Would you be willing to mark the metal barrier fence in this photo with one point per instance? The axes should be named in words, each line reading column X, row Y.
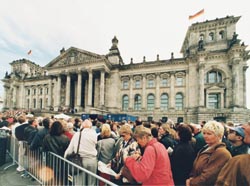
column 48, row 168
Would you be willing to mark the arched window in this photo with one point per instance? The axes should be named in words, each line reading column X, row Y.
column 164, row 101
column 125, row 102
column 179, row 101
column 213, row 76
column 211, row 36
column 137, row 102
column 222, row 34
column 150, row 102
column 201, row 36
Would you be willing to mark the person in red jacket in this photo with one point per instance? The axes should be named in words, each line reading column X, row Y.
column 154, row 167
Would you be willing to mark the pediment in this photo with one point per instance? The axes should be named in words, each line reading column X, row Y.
column 74, row 56
column 214, row 87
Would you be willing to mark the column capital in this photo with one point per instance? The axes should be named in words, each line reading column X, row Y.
column 90, row 70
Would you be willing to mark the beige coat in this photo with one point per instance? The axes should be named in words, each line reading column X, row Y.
column 208, row 164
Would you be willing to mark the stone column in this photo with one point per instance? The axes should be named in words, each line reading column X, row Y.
column 5, row 97
column 21, row 96
column 79, row 90
column 222, row 99
column 157, row 91
column 235, row 82
column 31, row 97
column 58, row 94
column 131, row 98
column 14, row 98
column 187, row 89
column 67, row 97
column 201, row 84
column 45, row 104
column 90, row 87
column 37, row 97
column 144, row 98
column 49, row 94
column 244, row 86
column 102, row 85
column 172, row 90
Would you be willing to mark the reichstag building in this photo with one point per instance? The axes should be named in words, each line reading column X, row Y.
column 207, row 82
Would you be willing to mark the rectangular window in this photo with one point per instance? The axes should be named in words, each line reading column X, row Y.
column 179, row 81
column 214, row 101
column 125, row 85
column 164, row 82
column 151, row 83
column 137, row 84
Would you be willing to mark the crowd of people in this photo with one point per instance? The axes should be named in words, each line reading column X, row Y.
column 142, row 152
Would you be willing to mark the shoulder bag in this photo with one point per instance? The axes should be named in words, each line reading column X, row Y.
column 75, row 158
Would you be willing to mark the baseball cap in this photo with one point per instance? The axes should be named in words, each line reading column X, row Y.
column 238, row 129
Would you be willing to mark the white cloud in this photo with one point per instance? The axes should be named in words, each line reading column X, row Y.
column 143, row 27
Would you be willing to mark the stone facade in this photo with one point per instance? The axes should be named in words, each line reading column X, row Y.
column 208, row 82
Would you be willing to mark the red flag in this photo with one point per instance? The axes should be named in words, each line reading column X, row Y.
column 196, row 14
column 29, row 52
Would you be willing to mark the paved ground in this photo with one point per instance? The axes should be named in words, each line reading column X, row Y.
column 11, row 177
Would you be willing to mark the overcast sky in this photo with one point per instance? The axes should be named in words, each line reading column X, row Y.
column 143, row 27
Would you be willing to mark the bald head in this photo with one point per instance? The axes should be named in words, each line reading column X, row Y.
column 86, row 123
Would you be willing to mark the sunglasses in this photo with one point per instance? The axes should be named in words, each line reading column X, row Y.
column 122, row 135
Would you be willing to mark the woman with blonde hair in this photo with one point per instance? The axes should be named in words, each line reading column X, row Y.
column 211, row 158
column 165, row 136
column 125, row 146
column 105, row 148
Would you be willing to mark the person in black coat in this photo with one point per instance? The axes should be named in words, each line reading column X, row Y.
column 56, row 141
column 31, row 130
column 183, row 155
column 38, row 139
column 165, row 137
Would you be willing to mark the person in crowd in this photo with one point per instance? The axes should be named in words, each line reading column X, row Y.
column 199, row 138
column 77, row 124
column 105, row 149
column 37, row 142
column 70, row 126
column 155, row 132
column 154, row 166
column 211, row 158
column 125, row 146
column 56, row 141
column 236, row 171
column 183, row 155
column 165, row 137
column 202, row 123
column 115, row 129
column 66, row 129
column 19, row 134
column 87, row 150
column 98, row 126
column 236, row 137
column 4, row 122
column 31, row 130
